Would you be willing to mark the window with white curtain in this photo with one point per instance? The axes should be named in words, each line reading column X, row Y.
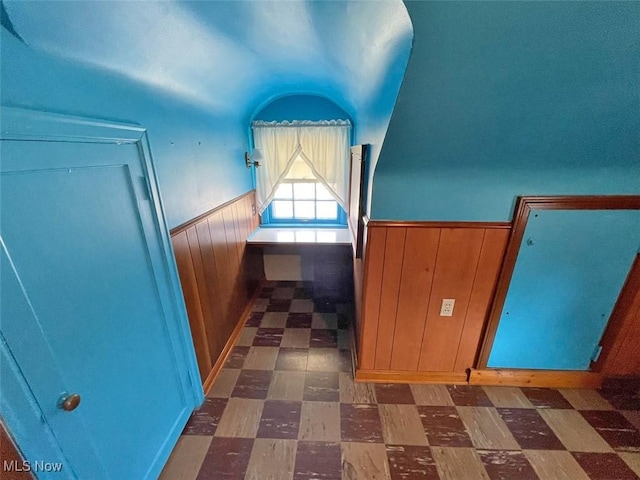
column 304, row 176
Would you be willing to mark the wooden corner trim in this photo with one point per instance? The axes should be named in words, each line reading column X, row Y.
column 430, row 224
column 184, row 226
column 393, row 376
column 536, row 378
column 217, row 367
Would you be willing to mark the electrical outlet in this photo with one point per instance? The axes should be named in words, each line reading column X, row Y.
column 446, row 310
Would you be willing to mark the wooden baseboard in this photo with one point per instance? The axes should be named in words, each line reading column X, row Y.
column 213, row 374
column 391, row 376
column 536, row 378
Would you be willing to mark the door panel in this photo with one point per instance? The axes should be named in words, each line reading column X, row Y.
column 84, row 305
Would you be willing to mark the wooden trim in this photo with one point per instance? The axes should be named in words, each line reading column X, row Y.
column 429, row 224
column 199, row 218
column 394, row 376
column 217, row 367
column 536, row 378
column 523, row 208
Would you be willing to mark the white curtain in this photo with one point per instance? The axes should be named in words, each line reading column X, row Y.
column 323, row 146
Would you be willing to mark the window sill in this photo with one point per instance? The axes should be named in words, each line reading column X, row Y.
column 299, row 236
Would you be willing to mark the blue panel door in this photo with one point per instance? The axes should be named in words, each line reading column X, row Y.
column 570, row 269
column 85, row 307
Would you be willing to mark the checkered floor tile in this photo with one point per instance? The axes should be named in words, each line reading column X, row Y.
column 285, row 407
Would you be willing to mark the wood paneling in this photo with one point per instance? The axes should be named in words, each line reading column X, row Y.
column 621, row 338
column 536, row 378
column 218, row 274
column 409, row 270
column 10, row 456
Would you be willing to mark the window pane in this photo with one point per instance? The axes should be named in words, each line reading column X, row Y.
column 303, row 191
column 304, row 209
column 284, row 190
column 322, row 193
column 327, row 210
column 282, row 209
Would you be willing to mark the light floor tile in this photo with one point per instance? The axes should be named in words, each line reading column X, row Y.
column 320, row 421
column 245, row 339
column 260, row 304
column 301, row 306
column 486, row 428
column 458, row 464
column 274, row 320
column 401, row 425
column 355, row 392
column 261, row 358
column 272, row 460
column 224, row 383
column 325, row 321
column 631, row 459
column 283, row 293
column 323, row 360
column 585, row 399
column 633, row 416
column 241, row 418
column 507, row 397
column 555, row 465
column 574, row 431
column 434, row 395
column 286, row 385
column 296, row 338
column 364, row 460
column 186, row 458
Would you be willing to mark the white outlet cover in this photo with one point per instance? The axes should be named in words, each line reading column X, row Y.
column 446, row 310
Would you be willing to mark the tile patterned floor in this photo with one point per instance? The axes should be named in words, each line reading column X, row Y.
column 285, row 407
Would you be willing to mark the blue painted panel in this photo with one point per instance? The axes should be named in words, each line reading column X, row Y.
column 81, row 232
column 506, row 99
column 569, row 272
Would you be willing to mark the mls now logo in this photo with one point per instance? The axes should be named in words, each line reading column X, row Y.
column 37, row 466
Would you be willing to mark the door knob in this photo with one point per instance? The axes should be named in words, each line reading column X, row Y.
column 69, row 402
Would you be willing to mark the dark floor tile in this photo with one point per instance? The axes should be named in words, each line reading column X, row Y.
column 292, row 359
column 411, row 463
column 321, row 387
column 268, row 337
column 443, row 426
column 622, row 399
column 615, row 429
column 346, row 364
column 280, row 419
column 302, row 293
column 236, row 357
column 252, row 384
column 318, row 460
column 227, row 458
column 469, row 396
column 287, row 283
column 360, row 423
column 323, row 360
column 507, row 465
column 529, row 429
column 344, row 322
column 324, row 339
column 546, row 398
column 204, row 420
column 394, row 393
column 299, row 320
column 324, row 305
column 604, row 466
column 279, row 305
column 254, row 319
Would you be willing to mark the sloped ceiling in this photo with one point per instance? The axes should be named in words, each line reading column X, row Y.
column 229, row 56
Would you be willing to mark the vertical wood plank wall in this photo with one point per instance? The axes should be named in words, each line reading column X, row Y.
column 409, row 269
column 218, row 274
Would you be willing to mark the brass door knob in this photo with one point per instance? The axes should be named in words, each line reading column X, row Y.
column 69, row 402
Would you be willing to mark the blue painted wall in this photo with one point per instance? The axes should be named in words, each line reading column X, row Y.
column 506, row 99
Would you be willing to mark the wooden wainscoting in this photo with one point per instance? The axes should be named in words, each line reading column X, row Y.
column 410, row 267
column 219, row 275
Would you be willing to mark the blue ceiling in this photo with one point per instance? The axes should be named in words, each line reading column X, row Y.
column 230, row 56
